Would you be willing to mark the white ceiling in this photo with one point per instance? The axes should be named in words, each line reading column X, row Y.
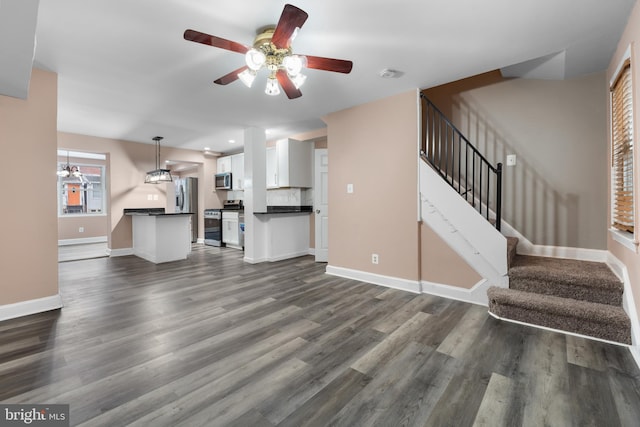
column 125, row 71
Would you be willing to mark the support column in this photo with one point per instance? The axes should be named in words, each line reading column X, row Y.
column 255, row 194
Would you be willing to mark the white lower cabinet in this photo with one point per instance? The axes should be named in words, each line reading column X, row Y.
column 231, row 229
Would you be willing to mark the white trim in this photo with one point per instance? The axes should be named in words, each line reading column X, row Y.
column 635, row 352
column 581, row 254
column 119, row 252
column 254, row 260
column 377, row 279
column 525, row 247
column 461, row 227
column 288, row 256
column 276, row 258
column 25, row 308
column 614, row 76
column 624, row 239
column 476, row 295
column 312, row 251
column 557, row 330
column 81, row 154
column 628, row 303
column 200, row 241
column 82, row 241
column 419, row 149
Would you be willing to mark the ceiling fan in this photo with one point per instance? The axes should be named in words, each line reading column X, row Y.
column 272, row 50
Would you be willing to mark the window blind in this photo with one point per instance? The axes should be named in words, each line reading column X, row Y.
column 622, row 150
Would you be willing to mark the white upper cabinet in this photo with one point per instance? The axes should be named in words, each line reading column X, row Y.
column 289, row 164
column 237, row 172
column 224, row 164
column 272, row 167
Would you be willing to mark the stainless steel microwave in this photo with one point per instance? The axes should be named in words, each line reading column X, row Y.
column 223, row 181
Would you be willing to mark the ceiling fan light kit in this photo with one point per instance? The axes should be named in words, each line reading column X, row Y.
column 272, row 50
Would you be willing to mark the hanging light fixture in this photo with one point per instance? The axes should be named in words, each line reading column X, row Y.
column 69, row 170
column 158, row 175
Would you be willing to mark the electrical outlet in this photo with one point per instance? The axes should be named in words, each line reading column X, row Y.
column 511, row 160
column 374, row 258
column 81, row 230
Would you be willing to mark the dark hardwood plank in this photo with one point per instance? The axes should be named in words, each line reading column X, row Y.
column 212, row 341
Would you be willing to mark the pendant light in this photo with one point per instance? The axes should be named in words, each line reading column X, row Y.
column 158, row 175
column 69, row 170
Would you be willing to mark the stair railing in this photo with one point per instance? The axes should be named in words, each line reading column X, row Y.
column 459, row 163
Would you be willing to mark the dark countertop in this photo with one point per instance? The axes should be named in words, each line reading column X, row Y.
column 146, row 211
column 152, row 212
column 286, row 210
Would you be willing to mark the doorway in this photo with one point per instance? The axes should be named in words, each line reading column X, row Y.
column 321, row 203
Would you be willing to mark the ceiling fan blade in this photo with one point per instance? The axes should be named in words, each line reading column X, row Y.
column 329, row 64
column 198, row 37
column 287, row 85
column 231, row 77
column 291, row 18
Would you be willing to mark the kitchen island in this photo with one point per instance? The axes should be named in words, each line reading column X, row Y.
column 286, row 232
column 160, row 237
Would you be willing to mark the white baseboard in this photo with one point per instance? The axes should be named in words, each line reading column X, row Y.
column 312, row 251
column 25, row 308
column 81, row 241
column 476, row 295
column 628, row 303
column 119, row 252
column 635, row 352
column 200, row 241
column 525, row 247
column 290, row 255
column 376, row 279
column 277, row 258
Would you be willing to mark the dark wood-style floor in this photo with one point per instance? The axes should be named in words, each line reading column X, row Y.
column 213, row 341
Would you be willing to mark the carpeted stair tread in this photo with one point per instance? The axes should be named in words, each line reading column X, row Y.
column 592, row 319
column 567, row 278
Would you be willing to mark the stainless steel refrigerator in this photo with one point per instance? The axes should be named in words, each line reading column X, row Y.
column 187, row 201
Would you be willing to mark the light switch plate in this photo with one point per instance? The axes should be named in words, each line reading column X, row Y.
column 349, row 188
column 511, row 160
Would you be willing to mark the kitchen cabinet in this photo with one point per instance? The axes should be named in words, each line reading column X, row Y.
column 232, row 229
column 289, row 164
column 237, row 172
column 223, row 164
column 272, row 167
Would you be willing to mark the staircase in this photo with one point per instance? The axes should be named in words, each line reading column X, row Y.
column 581, row 297
column 568, row 295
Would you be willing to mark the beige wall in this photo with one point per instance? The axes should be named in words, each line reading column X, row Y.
column 442, row 265
column 556, row 194
column 631, row 36
column 374, row 147
column 28, row 254
column 127, row 163
column 93, row 225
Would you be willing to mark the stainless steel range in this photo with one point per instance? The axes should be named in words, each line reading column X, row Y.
column 213, row 227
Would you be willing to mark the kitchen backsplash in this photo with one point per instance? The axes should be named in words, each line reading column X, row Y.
column 290, row 197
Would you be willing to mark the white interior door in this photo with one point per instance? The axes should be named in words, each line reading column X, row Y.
column 321, row 203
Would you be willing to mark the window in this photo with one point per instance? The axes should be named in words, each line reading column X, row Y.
column 622, row 150
column 83, row 194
